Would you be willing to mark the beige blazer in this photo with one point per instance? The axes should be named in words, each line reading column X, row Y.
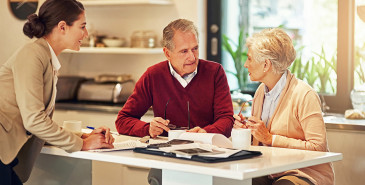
column 298, row 123
column 26, row 83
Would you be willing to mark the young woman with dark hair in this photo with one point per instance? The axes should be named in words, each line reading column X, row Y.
column 28, row 88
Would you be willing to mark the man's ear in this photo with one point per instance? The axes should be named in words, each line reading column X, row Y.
column 167, row 53
column 62, row 26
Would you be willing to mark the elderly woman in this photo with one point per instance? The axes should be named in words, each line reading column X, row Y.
column 286, row 112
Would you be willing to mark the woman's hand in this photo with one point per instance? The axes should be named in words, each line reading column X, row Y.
column 98, row 138
column 259, row 130
column 157, row 126
column 106, row 131
column 239, row 121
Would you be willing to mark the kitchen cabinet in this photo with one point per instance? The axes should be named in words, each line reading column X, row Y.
column 125, row 2
column 117, row 50
column 345, row 136
column 121, row 50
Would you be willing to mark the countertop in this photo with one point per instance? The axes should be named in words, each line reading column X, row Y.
column 99, row 107
column 333, row 121
column 338, row 121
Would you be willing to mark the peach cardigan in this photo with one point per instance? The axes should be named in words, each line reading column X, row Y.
column 298, row 123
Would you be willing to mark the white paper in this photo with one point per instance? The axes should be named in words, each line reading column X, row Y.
column 208, row 138
column 125, row 145
column 209, row 147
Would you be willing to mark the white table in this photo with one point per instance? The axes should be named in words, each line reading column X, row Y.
column 178, row 172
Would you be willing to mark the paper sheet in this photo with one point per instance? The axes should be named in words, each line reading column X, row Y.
column 125, row 145
column 208, row 138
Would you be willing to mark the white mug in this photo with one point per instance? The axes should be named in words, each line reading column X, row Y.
column 241, row 138
column 72, row 125
column 174, row 134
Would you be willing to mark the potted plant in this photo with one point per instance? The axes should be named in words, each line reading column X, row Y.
column 238, row 52
column 239, row 56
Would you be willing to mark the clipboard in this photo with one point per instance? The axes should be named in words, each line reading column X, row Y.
column 242, row 154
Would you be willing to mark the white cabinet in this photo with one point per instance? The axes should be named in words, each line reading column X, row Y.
column 124, row 2
column 117, row 50
column 121, row 3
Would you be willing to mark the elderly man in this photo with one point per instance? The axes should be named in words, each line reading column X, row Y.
column 184, row 91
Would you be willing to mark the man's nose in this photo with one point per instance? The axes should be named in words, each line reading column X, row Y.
column 191, row 55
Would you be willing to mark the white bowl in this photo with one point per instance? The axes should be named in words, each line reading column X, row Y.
column 113, row 42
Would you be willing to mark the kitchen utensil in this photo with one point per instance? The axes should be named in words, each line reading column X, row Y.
column 114, row 42
column 143, row 39
column 112, row 78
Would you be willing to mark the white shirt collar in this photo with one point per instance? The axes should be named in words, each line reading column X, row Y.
column 55, row 62
column 184, row 81
column 279, row 86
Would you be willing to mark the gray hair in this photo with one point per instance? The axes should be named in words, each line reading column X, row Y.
column 273, row 44
column 182, row 25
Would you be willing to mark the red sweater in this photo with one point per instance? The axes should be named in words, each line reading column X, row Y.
column 210, row 104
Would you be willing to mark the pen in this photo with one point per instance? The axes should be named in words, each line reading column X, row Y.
column 93, row 128
column 242, row 106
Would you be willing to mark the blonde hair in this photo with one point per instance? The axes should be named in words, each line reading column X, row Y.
column 182, row 25
column 273, row 44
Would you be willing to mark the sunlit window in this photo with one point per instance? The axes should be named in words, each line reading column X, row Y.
column 312, row 24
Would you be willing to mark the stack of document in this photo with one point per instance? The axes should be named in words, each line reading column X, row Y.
column 124, row 145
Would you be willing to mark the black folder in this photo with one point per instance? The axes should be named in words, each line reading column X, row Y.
column 242, row 154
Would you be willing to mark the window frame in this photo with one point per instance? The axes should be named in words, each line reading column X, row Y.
column 345, row 52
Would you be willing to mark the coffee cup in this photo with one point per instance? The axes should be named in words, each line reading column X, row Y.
column 174, row 134
column 72, row 125
column 241, row 138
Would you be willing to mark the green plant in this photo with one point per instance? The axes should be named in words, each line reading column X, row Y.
column 239, row 56
column 297, row 67
column 311, row 75
column 324, row 69
column 316, row 71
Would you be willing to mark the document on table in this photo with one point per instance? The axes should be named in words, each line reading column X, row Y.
column 214, row 150
column 207, row 138
column 125, row 145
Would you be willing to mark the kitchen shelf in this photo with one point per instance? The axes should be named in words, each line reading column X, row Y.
column 116, row 50
column 125, row 2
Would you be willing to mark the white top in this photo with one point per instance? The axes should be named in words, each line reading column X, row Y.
column 55, row 62
column 184, row 81
column 272, row 99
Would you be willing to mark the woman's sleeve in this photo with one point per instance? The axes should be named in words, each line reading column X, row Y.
column 312, row 124
column 29, row 71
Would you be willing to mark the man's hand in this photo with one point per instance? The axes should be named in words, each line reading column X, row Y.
column 157, row 126
column 197, row 130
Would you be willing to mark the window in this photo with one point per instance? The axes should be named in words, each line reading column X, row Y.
column 319, row 27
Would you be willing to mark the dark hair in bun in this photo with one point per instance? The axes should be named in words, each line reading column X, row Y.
column 50, row 14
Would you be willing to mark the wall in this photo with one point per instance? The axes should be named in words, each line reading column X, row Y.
column 11, row 32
